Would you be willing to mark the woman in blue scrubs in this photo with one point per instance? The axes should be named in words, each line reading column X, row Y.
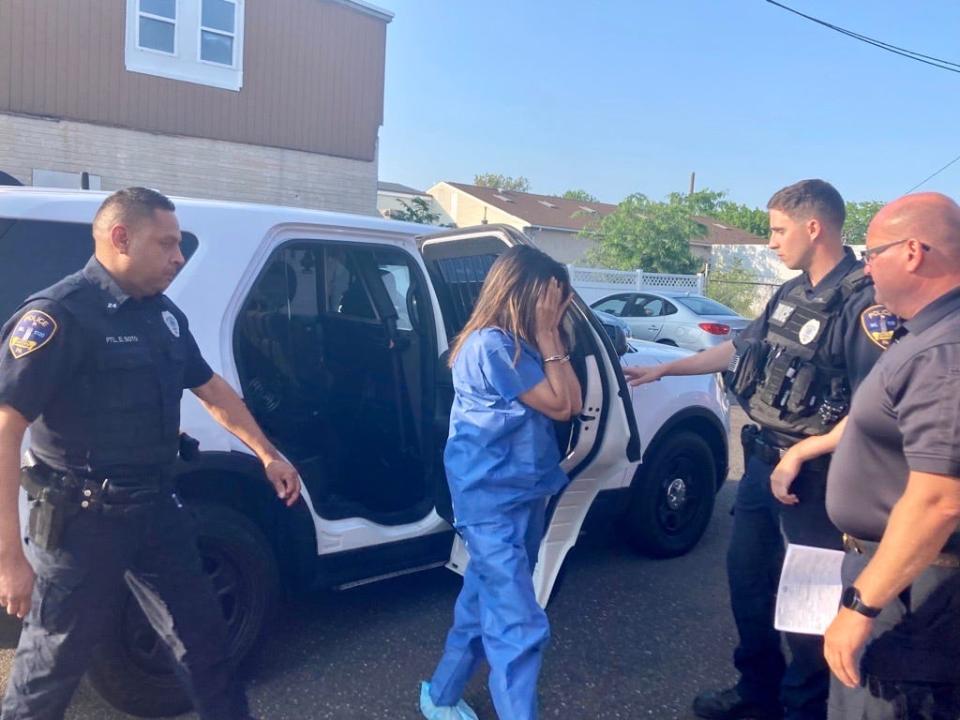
column 512, row 377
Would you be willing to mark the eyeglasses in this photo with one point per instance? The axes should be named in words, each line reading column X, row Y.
column 869, row 253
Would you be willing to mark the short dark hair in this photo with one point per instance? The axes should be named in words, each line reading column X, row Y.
column 134, row 203
column 811, row 198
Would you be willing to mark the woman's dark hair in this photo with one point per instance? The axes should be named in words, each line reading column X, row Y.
column 516, row 283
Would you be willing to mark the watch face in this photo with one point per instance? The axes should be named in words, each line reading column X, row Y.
column 849, row 597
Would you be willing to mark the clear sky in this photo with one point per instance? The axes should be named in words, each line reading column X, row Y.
column 620, row 96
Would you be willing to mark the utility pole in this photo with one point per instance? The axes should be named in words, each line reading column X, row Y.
column 693, row 181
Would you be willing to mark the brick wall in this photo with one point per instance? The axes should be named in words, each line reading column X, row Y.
column 193, row 167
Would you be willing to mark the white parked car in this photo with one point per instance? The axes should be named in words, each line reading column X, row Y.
column 684, row 320
column 335, row 330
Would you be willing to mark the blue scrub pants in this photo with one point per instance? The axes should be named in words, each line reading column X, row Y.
column 754, row 561
column 497, row 615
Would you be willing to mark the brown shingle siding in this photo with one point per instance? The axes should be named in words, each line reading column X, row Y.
column 312, row 75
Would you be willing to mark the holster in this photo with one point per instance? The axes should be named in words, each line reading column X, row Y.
column 51, row 506
column 748, row 441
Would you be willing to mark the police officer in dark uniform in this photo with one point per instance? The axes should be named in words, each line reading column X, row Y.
column 894, row 484
column 794, row 370
column 96, row 365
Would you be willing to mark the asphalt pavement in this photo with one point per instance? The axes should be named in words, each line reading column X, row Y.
column 632, row 638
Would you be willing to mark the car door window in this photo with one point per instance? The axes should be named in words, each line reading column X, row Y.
column 396, row 280
column 650, row 306
column 38, row 253
column 668, row 308
column 346, row 293
column 613, row 305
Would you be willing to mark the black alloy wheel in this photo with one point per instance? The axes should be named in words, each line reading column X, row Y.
column 672, row 496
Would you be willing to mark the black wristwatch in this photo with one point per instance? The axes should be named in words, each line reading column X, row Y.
column 851, row 600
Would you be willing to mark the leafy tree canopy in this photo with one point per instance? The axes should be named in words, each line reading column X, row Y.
column 502, row 182
column 645, row 234
column 417, row 210
column 581, row 195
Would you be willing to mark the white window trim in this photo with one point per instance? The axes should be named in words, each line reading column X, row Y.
column 160, row 18
column 185, row 65
column 216, row 31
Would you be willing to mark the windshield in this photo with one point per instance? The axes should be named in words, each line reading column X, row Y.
column 704, row 306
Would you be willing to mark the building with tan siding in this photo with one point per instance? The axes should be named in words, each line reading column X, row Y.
column 278, row 102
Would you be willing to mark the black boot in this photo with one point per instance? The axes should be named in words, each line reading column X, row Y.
column 730, row 705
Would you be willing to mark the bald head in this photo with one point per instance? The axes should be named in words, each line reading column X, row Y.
column 931, row 218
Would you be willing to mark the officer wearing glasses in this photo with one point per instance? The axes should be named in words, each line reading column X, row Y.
column 894, row 484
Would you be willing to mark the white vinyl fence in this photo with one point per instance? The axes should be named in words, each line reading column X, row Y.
column 595, row 283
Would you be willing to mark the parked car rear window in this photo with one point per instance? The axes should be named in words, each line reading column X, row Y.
column 705, row 306
column 36, row 254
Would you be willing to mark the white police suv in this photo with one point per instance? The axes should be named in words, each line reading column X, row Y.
column 334, row 328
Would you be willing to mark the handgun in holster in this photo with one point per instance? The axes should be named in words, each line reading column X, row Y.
column 50, row 507
column 748, row 441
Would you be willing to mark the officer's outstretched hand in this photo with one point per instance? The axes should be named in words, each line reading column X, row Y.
column 285, row 480
column 16, row 585
column 641, row 375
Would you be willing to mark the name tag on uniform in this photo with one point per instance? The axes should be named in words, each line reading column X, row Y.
column 782, row 313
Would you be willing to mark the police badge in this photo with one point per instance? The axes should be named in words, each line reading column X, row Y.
column 171, row 321
column 879, row 324
column 34, row 330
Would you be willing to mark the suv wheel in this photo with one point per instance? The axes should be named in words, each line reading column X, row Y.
column 131, row 669
column 672, row 497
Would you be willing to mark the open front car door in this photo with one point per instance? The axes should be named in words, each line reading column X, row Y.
column 600, row 444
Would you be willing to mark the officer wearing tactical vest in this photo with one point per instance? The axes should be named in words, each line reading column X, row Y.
column 794, row 370
column 96, row 365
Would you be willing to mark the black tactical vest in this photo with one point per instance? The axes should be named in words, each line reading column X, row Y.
column 788, row 382
column 121, row 414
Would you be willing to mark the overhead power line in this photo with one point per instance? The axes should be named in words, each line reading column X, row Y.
column 924, row 181
column 903, row 52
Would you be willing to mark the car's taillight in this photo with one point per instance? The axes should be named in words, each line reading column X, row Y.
column 715, row 328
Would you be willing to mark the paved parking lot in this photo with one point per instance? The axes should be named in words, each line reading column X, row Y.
column 632, row 638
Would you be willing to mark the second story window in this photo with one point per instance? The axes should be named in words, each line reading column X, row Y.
column 217, row 31
column 197, row 41
column 157, row 25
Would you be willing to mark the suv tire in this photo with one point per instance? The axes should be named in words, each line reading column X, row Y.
column 672, row 497
column 131, row 670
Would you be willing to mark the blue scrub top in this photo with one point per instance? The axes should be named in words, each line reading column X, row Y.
column 500, row 452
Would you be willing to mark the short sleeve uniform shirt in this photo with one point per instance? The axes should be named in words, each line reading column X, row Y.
column 499, row 452
column 905, row 418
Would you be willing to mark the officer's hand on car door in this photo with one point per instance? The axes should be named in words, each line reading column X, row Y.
column 285, row 480
column 641, row 375
column 16, row 585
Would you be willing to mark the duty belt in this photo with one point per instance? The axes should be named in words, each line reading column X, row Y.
column 42, row 482
column 761, row 448
column 868, row 548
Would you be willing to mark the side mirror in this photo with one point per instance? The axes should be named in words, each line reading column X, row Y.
column 619, row 341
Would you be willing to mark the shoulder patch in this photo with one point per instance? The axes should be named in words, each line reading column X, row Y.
column 878, row 324
column 32, row 331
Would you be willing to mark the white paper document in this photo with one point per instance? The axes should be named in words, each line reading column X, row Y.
column 810, row 589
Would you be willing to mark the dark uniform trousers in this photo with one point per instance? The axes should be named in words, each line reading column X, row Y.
column 754, row 562
column 151, row 548
column 910, row 669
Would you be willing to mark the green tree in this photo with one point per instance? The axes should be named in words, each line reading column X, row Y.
column 581, row 195
column 502, row 182
column 712, row 204
column 734, row 285
column 859, row 215
column 417, row 210
column 645, row 234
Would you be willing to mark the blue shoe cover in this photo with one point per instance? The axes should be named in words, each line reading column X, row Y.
column 460, row 711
